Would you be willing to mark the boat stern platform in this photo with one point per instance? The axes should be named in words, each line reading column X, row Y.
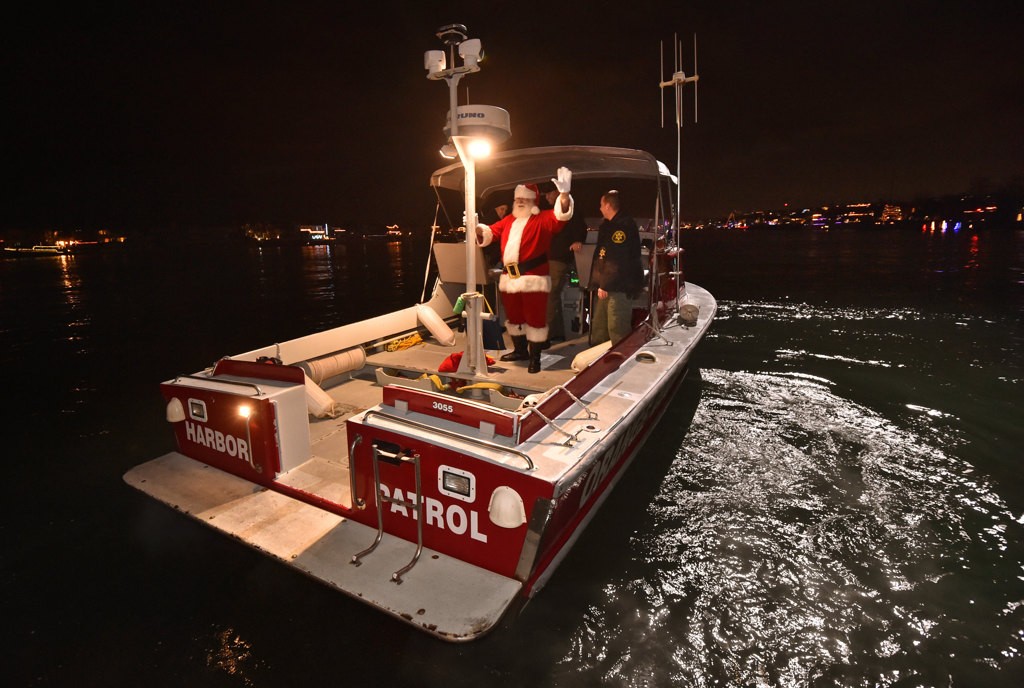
column 451, row 599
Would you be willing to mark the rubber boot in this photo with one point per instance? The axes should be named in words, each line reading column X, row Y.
column 535, row 349
column 519, row 352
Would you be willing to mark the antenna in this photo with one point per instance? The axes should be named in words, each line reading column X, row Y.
column 679, row 78
column 695, row 78
column 677, row 82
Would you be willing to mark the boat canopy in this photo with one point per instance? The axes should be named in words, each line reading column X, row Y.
column 506, row 169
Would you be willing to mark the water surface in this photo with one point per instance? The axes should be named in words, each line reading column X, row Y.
column 833, row 499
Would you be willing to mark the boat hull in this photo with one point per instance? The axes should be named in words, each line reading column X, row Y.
column 383, row 525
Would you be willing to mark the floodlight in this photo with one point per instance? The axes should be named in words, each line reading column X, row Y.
column 479, row 148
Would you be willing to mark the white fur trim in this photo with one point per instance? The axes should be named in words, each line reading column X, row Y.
column 523, row 191
column 515, row 238
column 525, row 283
column 488, row 235
column 536, row 334
column 559, row 215
column 515, row 329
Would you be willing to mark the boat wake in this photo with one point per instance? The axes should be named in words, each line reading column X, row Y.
column 800, row 538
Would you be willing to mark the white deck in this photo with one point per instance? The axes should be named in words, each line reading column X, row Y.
column 444, row 596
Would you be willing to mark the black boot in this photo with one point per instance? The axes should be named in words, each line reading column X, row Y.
column 535, row 349
column 519, row 352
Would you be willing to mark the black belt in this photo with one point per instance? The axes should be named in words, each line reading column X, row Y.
column 516, row 269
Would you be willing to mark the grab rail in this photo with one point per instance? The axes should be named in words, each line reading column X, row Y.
column 357, row 502
column 380, row 499
column 259, row 392
column 454, row 435
column 591, row 415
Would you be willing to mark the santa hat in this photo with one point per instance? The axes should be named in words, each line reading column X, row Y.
column 528, row 191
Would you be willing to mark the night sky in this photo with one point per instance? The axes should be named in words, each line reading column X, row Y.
column 217, row 113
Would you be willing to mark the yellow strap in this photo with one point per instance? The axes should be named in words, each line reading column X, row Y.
column 441, row 387
column 480, row 385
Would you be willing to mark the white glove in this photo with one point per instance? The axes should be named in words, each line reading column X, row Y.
column 564, row 181
column 465, row 223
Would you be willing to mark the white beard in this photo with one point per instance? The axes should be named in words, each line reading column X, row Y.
column 521, row 211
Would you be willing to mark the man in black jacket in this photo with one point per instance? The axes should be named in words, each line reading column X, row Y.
column 617, row 274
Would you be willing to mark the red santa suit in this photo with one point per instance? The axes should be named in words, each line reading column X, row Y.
column 525, row 280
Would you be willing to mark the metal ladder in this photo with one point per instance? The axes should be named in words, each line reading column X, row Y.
column 396, row 458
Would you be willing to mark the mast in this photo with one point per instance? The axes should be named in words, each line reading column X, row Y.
column 470, row 142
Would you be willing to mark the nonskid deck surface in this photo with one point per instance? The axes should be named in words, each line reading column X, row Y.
column 445, row 596
column 427, row 356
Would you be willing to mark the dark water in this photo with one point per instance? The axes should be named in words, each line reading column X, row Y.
column 835, row 500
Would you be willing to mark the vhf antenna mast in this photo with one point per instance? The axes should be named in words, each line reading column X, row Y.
column 677, row 82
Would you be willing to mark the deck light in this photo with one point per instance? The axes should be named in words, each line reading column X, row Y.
column 245, row 411
column 197, row 410
column 456, row 483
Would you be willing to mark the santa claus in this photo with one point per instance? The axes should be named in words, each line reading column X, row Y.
column 525, row 236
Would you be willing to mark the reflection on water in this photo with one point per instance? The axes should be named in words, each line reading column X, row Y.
column 322, row 267
column 231, row 655
column 800, row 538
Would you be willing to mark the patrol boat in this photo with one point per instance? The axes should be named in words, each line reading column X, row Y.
column 396, row 460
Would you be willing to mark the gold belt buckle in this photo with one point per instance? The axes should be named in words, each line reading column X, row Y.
column 513, row 270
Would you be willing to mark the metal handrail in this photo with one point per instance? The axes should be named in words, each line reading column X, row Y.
column 454, row 435
column 379, row 500
column 357, row 502
column 591, row 415
column 551, row 424
column 396, row 577
column 259, row 392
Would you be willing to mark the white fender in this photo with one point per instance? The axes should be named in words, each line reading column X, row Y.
column 432, row 321
column 318, row 402
column 325, row 367
column 588, row 356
